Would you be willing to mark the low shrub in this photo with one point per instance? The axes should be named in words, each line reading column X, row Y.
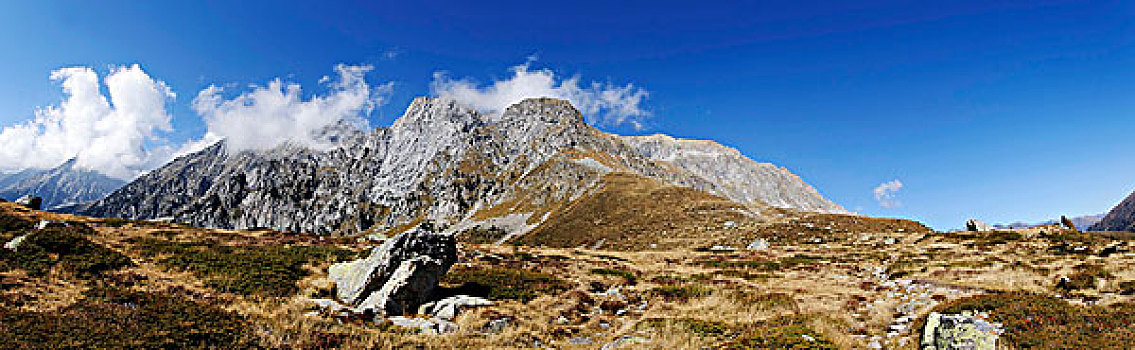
column 67, row 247
column 506, row 283
column 119, row 318
column 692, row 325
column 681, row 293
column 627, row 276
column 780, row 333
column 1084, row 277
column 1045, row 322
column 270, row 271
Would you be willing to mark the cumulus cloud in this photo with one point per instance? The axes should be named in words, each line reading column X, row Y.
column 107, row 133
column 270, row 115
column 885, row 194
column 603, row 103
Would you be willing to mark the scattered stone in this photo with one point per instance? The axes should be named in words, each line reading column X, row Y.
column 30, row 202
column 975, row 225
column 399, row 275
column 890, row 241
column 758, row 244
column 43, row 224
column 961, row 331
column 497, row 325
column 14, row 244
column 721, row 248
column 625, row 340
column 449, row 308
column 580, row 341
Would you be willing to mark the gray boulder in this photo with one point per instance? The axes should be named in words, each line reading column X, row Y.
column 31, row 202
column 399, row 275
column 976, row 225
column 964, row 331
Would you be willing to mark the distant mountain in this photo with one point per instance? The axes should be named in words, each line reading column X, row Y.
column 450, row 164
column 1120, row 218
column 1082, row 222
column 64, row 185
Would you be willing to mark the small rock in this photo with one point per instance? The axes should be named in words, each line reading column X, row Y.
column 449, row 308
column 580, row 341
column 497, row 325
column 890, row 241
column 962, row 331
column 625, row 340
column 14, row 244
column 30, row 202
column 43, row 224
column 758, row 244
column 721, row 248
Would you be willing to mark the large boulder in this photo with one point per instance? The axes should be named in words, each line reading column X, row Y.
column 399, row 275
column 965, row 331
column 30, row 201
column 976, row 225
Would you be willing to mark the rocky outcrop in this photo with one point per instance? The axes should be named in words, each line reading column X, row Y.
column 966, row 331
column 976, row 225
column 398, row 276
column 442, row 162
column 30, row 202
column 62, row 186
column 1120, row 218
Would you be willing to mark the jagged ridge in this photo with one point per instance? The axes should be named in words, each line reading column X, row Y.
column 442, row 162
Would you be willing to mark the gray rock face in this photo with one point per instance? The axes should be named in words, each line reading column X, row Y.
column 1120, row 218
column 734, row 176
column 61, row 186
column 959, row 332
column 976, row 225
column 398, row 276
column 30, row 202
column 441, row 162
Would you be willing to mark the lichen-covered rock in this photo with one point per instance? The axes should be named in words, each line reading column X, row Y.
column 964, row 331
column 408, row 287
column 398, row 275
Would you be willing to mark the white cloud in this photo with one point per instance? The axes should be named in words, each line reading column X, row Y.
column 270, row 115
column 106, row 134
column 885, row 194
column 603, row 103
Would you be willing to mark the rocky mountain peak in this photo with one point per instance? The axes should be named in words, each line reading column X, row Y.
column 442, row 162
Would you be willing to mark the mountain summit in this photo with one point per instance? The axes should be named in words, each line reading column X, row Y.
column 1120, row 218
column 64, row 185
column 447, row 163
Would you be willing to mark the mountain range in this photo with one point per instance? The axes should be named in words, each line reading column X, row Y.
column 452, row 165
column 66, row 185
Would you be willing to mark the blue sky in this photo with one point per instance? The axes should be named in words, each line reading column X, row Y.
column 1005, row 111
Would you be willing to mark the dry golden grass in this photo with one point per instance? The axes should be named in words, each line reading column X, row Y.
column 828, row 285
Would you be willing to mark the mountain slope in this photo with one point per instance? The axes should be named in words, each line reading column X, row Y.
column 442, row 162
column 60, row 186
column 1120, row 218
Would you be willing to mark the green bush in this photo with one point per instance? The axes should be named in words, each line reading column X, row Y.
column 506, row 283
column 262, row 270
column 627, row 276
column 118, row 318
